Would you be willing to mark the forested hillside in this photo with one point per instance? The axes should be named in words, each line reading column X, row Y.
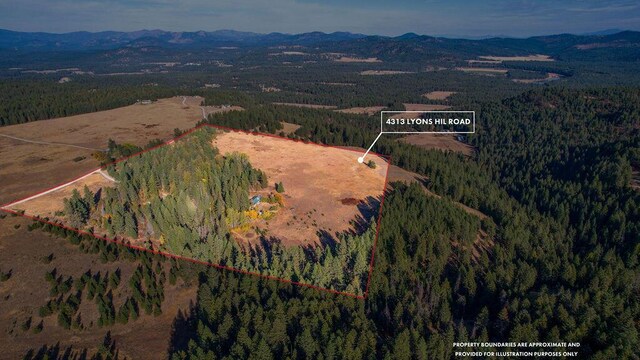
column 553, row 174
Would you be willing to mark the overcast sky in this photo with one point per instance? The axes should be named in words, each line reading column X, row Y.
column 383, row 17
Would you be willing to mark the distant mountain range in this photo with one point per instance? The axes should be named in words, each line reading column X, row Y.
column 82, row 40
column 607, row 44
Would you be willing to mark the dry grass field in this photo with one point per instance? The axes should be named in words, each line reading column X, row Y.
column 425, row 107
column 289, row 128
column 438, row 95
column 220, row 109
column 311, row 106
column 26, row 291
column 337, row 84
column 369, row 110
column 538, row 57
column 28, row 167
column 407, row 177
column 384, row 72
column 53, row 158
column 445, row 142
column 489, row 62
column 420, row 107
column 349, row 59
column 491, row 71
column 316, row 180
column 549, row 77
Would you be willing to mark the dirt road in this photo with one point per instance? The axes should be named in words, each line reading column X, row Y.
column 50, row 143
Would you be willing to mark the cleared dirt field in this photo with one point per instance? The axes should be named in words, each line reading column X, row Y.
column 311, row 106
column 446, row 142
column 26, row 291
column 483, row 70
column 316, row 180
column 348, row 59
column 438, row 95
column 27, row 168
column 369, row 110
column 538, row 57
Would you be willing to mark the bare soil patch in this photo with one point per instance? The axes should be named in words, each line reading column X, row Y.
column 28, row 168
column 316, row 180
column 438, row 95
column 350, row 201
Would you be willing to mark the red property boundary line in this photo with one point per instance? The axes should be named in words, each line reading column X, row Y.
column 195, row 261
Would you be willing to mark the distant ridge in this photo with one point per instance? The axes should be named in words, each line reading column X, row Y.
column 82, row 40
column 606, row 45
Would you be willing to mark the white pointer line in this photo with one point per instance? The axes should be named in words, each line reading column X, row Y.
column 361, row 159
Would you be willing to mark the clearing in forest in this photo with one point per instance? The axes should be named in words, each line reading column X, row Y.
column 425, row 107
column 350, row 59
column 445, row 142
column 385, row 72
column 438, row 95
column 480, row 70
column 310, row 106
column 518, row 58
column 260, row 204
column 367, row 110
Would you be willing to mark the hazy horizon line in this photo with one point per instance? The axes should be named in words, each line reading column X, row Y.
column 448, row 36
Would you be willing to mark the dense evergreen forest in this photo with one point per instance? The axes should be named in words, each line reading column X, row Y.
column 29, row 97
column 556, row 258
column 553, row 174
column 39, row 100
column 186, row 198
